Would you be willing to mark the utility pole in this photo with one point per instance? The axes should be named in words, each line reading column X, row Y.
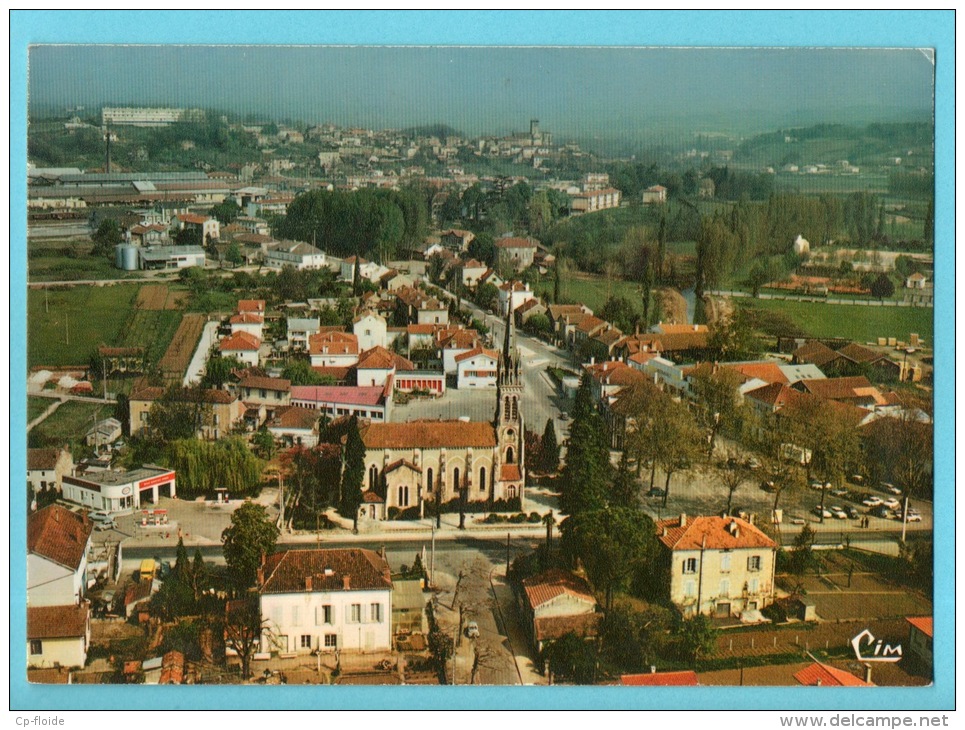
column 432, row 559
column 904, row 519
column 507, row 554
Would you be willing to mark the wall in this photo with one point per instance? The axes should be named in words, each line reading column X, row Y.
column 279, row 610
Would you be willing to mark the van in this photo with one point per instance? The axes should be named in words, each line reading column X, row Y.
column 147, row 569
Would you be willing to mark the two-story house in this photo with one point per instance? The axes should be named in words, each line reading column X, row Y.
column 326, row 600
column 719, row 566
column 46, row 468
column 58, row 544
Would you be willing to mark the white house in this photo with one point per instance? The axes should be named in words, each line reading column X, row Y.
column 58, row 635
column 720, row 566
column 299, row 255
column 249, row 322
column 370, row 329
column 378, row 366
column 655, row 195
column 46, row 468
column 241, row 345
column 477, row 368
column 916, row 281
column 207, row 226
column 333, row 349
column 556, row 603
column 367, row 269
column 103, row 432
column 512, row 295
column 471, row 272
column 295, row 426
column 326, row 600
column 802, row 246
column 58, row 544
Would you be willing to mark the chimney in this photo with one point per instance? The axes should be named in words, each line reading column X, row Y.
column 664, row 530
column 308, row 582
column 382, row 552
column 346, row 582
column 683, row 519
column 653, row 669
column 696, row 327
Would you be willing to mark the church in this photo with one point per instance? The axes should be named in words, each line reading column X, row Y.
column 411, row 464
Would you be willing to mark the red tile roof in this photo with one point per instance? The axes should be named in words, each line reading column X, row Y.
column 57, row 622
column 776, row 395
column 509, row 473
column 429, row 435
column 257, row 381
column 922, row 623
column 295, row 417
column 769, row 372
column 684, row 678
column 370, row 497
column 59, row 535
column 421, row 329
column 398, row 464
column 815, row 352
column 514, row 243
column 333, row 343
column 713, row 533
column 554, row 583
column 668, row 328
column 589, row 323
column 340, row 374
column 478, row 350
column 251, row 305
column 343, row 394
column 307, row 571
column 191, row 218
column 247, row 318
column 378, row 358
column 836, row 388
column 240, row 342
column 823, row 675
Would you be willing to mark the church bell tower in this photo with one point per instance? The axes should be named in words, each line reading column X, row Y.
column 508, row 421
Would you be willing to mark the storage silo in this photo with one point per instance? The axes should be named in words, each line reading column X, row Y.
column 126, row 257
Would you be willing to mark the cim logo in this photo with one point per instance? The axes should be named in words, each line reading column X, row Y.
column 881, row 651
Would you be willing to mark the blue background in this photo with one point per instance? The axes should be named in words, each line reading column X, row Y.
column 926, row 29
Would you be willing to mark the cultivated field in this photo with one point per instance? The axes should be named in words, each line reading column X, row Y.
column 860, row 323
column 160, row 296
column 178, row 355
column 72, row 419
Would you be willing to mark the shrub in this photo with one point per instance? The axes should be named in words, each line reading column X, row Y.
column 393, row 513
column 518, row 518
column 534, row 517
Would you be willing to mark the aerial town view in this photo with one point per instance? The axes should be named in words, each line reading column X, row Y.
column 467, row 366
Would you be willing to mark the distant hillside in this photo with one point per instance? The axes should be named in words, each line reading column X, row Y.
column 829, row 143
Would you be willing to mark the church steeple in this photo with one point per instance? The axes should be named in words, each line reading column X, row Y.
column 510, row 458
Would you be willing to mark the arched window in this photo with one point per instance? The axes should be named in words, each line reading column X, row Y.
column 429, row 482
column 511, row 492
column 506, row 411
column 403, row 496
column 482, row 479
column 509, row 455
column 455, row 479
column 373, row 476
column 515, row 408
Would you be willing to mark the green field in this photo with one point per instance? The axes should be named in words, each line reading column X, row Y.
column 591, row 290
column 56, row 267
column 36, row 406
column 859, row 323
column 71, row 421
column 152, row 330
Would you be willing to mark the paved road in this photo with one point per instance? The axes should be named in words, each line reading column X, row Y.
column 821, row 300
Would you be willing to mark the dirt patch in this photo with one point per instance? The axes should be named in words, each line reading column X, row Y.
column 152, row 296
column 178, row 355
column 673, row 306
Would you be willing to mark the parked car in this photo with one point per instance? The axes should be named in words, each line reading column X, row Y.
column 102, row 520
column 819, row 485
column 839, row 513
column 892, row 503
column 913, row 516
column 768, row 486
column 472, row 630
column 656, row 492
column 890, row 489
column 797, row 520
column 856, row 479
column 852, row 512
column 825, row 513
column 872, row 501
column 839, row 492
column 881, row 511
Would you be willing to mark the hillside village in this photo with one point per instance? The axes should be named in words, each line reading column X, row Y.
column 361, row 425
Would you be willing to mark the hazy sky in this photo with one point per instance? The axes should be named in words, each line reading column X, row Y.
column 571, row 90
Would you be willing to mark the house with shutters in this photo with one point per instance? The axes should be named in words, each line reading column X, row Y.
column 477, row 368
column 242, row 346
column 717, row 566
column 325, row 601
column 58, row 636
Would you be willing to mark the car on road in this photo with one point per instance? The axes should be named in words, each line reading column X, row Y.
column 656, row 492
column 797, row 520
column 839, row 492
column 872, row 501
column 825, row 513
column 890, row 489
column 913, row 516
column 472, row 630
column 102, row 520
column 892, row 503
column 839, row 513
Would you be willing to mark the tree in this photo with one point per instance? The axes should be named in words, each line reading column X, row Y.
column 204, row 467
column 233, row 254
column 550, row 448
column 300, row 372
column 538, row 324
column 246, row 542
column 107, row 235
column 696, row 637
column 802, row 558
column 571, row 658
column 218, row 369
column 243, row 629
column 353, row 474
column 586, row 476
column 264, row 443
column 899, row 449
column 733, row 475
column 630, row 639
column 178, row 414
column 189, row 236
column 441, row 647
column 678, row 442
column 625, row 491
column 613, row 543
column 225, row 212
column 882, row 287
column 757, row 278
column 715, row 389
column 487, row 296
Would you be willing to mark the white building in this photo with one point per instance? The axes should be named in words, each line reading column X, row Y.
column 512, row 295
column 477, row 368
column 371, row 330
column 243, row 346
column 249, row 322
column 802, row 246
column 121, row 491
column 171, row 257
column 326, row 600
column 333, row 349
column 46, row 468
column 58, row 545
column 141, row 116
column 301, row 256
column 299, row 330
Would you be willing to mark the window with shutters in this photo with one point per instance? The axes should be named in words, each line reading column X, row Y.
column 331, row 641
column 375, row 613
column 725, row 562
column 690, row 565
column 355, row 613
column 724, row 588
column 36, row 647
column 306, row 641
column 754, row 563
